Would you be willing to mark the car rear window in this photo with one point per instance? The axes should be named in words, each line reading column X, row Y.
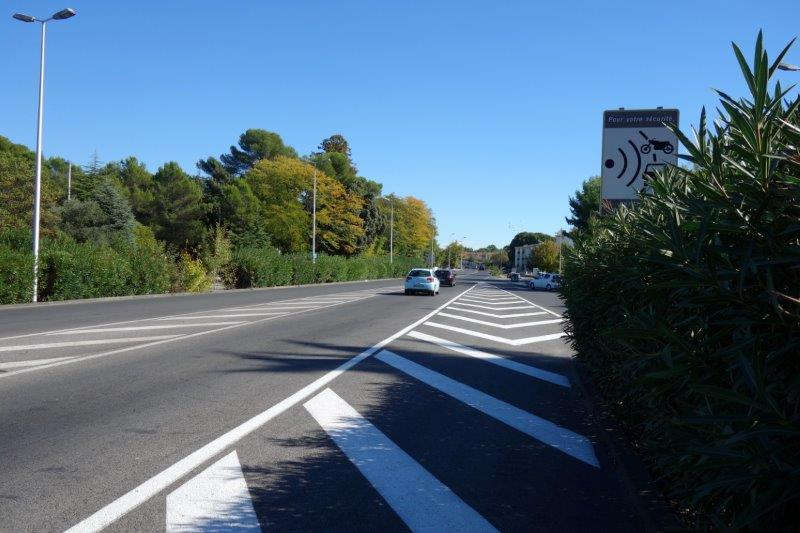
column 419, row 273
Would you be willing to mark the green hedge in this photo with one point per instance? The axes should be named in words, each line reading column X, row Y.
column 686, row 312
column 266, row 267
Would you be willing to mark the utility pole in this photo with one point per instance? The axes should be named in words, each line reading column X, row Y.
column 314, row 220
column 69, row 183
column 391, row 234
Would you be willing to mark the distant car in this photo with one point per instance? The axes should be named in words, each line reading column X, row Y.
column 546, row 281
column 421, row 280
column 514, row 276
column 446, row 277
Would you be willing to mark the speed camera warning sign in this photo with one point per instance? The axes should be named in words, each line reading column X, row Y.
column 635, row 143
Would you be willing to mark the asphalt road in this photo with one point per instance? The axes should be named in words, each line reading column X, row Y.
column 343, row 407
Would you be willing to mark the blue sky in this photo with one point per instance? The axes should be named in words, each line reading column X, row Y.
column 489, row 111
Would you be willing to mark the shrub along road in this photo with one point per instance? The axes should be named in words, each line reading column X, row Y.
column 315, row 408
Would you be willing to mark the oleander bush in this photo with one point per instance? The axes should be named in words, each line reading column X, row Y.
column 685, row 310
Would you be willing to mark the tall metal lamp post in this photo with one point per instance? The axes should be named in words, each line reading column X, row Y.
column 22, row 17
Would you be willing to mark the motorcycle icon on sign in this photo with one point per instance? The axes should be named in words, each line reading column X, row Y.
column 664, row 146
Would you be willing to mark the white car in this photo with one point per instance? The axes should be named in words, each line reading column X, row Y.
column 422, row 280
column 545, row 280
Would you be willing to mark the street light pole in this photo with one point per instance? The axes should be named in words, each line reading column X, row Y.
column 391, row 233
column 37, row 188
column 314, row 221
column 69, row 183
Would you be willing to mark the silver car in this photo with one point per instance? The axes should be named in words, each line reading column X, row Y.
column 422, row 280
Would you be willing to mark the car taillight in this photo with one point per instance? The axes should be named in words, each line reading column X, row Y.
column 429, row 279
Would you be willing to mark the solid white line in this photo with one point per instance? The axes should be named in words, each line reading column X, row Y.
column 503, row 326
column 512, row 342
column 540, row 429
column 149, row 344
column 32, row 362
column 122, row 505
column 423, row 502
column 529, row 370
column 510, row 315
column 142, row 328
column 67, row 344
column 493, row 308
column 216, row 499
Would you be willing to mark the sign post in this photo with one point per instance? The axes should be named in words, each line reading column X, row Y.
column 636, row 142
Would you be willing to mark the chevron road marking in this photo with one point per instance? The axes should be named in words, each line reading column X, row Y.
column 423, row 502
column 547, row 432
column 495, row 315
column 528, row 370
column 494, row 308
column 503, row 326
column 512, row 342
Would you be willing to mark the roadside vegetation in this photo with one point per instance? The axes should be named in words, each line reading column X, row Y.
column 685, row 311
column 244, row 221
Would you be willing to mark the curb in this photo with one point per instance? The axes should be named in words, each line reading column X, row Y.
column 168, row 294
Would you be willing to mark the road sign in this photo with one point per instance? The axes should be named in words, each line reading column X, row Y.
column 635, row 143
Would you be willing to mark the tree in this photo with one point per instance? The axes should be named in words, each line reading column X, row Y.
column 16, row 189
column 526, row 237
column 254, row 145
column 414, row 225
column 335, row 143
column 139, row 186
column 103, row 218
column 545, row 257
column 585, row 203
column 239, row 211
column 179, row 209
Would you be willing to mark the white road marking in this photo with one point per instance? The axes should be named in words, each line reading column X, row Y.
column 32, row 362
column 495, row 315
column 67, row 344
column 562, row 439
column 423, row 502
column 143, row 328
column 503, row 326
column 528, row 370
column 129, row 501
column 216, row 499
column 537, row 305
column 492, row 301
column 155, row 343
column 512, row 342
column 198, row 317
column 495, row 308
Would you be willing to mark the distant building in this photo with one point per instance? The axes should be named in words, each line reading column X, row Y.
column 521, row 255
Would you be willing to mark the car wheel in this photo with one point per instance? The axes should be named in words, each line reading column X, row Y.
column 408, row 292
column 549, row 287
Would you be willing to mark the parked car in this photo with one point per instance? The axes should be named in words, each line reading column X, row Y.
column 514, row 276
column 421, row 280
column 446, row 276
column 546, row 281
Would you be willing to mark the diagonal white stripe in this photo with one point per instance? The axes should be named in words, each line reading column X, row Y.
column 503, row 326
column 495, row 315
column 562, row 439
column 529, row 370
column 67, row 344
column 423, row 502
column 495, row 308
column 512, row 342
column 143, row 328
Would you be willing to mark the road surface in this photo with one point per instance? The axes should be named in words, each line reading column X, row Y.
column 342, row 407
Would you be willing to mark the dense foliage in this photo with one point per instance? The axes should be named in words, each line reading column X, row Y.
column 251, row 208
column 685, row 309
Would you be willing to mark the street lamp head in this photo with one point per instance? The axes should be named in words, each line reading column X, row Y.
column 23, row 17
column 787, row 66
column 64, row 14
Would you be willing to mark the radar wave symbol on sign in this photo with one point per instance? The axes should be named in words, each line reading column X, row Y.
column 626, row 164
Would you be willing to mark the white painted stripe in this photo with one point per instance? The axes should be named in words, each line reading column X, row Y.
column 143, row 328
column 512, row 342
column 491, row 298
column 423, row 502
column 129, row 501
column 32, row 362
column 503, row 326
column 539, row 306
column 67, row 344
column 528, row 370
column 562, row 439
column 495, row 315
column 238, row 315
column 216, row 499
column 494, row 308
